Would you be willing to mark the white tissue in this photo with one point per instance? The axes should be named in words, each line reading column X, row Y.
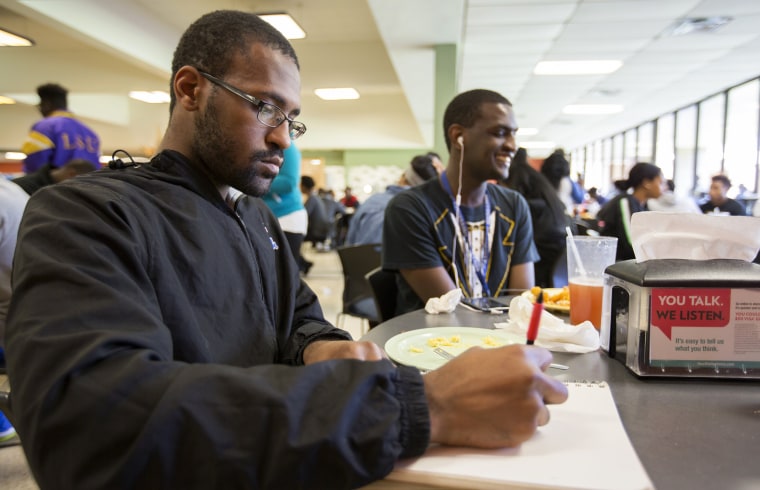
column 444, row 304
column 553, row 333
column 659, row 235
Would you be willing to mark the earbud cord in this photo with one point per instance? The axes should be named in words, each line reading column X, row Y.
column 457, row 211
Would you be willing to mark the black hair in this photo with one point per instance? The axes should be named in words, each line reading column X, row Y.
column 639, row 173
column 534, row 186
column 433, row 154
column 308, row 182
column 211, row 41
column 555, row 168
column 53, row 94
column 423, row 166
column 723, row 180
column 464, row 109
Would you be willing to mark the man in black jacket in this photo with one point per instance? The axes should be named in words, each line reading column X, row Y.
column 160, row 335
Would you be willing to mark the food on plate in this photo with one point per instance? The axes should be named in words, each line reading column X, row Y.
column 456, row 342
column 558, row 298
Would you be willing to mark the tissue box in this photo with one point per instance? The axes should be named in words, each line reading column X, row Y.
column 684, row 318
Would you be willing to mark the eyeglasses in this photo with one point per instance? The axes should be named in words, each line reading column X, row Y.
column 268, row 114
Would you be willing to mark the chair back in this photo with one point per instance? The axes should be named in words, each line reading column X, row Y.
column 357, row 261
column 384, row 288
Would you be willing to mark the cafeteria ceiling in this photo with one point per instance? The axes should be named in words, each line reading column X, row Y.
column 386, row 50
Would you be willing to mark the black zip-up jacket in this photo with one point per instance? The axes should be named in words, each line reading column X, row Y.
column 155, row 340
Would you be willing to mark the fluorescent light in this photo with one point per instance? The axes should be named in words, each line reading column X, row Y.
column 316, row 161
column 6, row 100
column 154, row 97
column 285, row 24
column 346, row 93
column 14, row 155
column 533, row 145
column 10, row 39
column 586, row 109
column 577, row 67
column 527, row 131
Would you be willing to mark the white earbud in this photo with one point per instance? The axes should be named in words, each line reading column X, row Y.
column 460, row 140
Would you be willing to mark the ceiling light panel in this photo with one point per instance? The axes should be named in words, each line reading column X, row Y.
column 154, row 97
column 285, row 24
column 10, row 39
column 345, row 93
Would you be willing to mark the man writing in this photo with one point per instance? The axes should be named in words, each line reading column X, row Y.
column 460, row 231
column 179, row 347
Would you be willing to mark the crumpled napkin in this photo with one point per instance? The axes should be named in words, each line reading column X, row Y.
column 444, row 304
column 553, row 333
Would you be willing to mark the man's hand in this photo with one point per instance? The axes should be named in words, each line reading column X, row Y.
column 323, row 350
column 491, row 398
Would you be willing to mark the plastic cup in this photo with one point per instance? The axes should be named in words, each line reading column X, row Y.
column 586, row 280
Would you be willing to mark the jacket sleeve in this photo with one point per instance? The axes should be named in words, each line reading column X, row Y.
column 100, row 401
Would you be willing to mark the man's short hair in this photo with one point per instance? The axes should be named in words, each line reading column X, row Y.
column 464, row 109
column 53, row 94
column 420, row 170
column 723, row 180
column 210, row 43
column 307, row 182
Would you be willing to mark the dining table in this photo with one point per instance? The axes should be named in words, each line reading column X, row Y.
column 689, row 433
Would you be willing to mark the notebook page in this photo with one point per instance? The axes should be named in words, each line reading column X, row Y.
column 584, row 446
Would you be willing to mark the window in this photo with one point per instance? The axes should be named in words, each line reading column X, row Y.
column 645, row 145
column 664, row 156
column 710, row 140
column 740, row 162
column 686, row 147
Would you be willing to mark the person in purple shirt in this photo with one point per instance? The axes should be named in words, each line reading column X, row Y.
column 59, row 137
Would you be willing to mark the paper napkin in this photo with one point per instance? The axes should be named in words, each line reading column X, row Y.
column 444, row 304
column 553, row 333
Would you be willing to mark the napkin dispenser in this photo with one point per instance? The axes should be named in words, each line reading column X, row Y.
column 684, row 318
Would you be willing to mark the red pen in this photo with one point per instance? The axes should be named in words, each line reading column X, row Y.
column 535, row 318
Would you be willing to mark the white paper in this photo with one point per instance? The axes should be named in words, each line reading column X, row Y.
column 444, row 304
column 660, row 235
column 553, row 332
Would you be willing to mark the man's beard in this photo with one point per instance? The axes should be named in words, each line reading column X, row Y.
column 216, row 152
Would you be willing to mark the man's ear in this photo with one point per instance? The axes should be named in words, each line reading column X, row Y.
column 186, row 87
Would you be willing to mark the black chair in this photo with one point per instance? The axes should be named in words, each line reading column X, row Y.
column 383, row 284
column 358, row 299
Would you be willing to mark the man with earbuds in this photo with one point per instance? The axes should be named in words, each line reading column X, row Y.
column 460, row 231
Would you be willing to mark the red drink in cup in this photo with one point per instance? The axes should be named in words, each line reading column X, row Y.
column 586, row 301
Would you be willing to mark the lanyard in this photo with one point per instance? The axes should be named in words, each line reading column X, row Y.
column 480, row 266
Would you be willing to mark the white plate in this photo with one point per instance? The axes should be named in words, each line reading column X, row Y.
column 403, row 348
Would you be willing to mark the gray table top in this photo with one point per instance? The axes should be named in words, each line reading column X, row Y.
column 688, row 433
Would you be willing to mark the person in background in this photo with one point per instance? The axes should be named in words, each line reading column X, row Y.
column 671, row 202
column 556, row 169
column 285, row 200
column 178, row 345
column 13, row 200
column 349, row 200
column 367, row 223
column 488, row 237
column 593, row 203
column 437, row 162
column 319, row 223
column 59, row 137
column 547, row 215
column 47, row 174
column 646, row 183
column 719, row 202
column 334, row 210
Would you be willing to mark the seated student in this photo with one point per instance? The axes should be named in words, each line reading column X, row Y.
column 177, row 345
column 547, row 215
column 615, row 217
column 367, row 223
column 671, row 202
column 47, row 174
column 319, row 223
column 488, row 237
column 719, row 202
